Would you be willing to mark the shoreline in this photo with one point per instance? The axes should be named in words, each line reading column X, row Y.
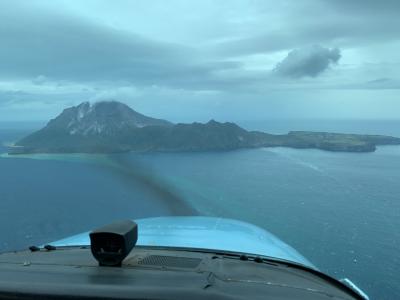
column 95, row 157
column 125, row 169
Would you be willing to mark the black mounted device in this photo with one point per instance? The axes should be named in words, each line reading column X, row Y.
column 110, row 244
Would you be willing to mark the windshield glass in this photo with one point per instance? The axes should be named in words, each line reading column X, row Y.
column 281, row 114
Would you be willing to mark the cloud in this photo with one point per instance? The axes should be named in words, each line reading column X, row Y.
column 376, row 84
column 366, row 6
column 39, row 80
column 154, row 53
column 342, row 23
column 54, row 46
column 65, row 47
column 50, row 43
column 309, row 61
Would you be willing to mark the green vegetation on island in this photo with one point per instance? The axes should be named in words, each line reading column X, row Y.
column 109, row 127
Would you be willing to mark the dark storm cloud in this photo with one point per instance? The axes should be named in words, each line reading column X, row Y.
column 309, row 61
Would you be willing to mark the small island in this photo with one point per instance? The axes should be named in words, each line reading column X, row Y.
column 112, row 127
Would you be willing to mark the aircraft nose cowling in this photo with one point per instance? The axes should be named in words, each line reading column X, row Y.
column 206, row 233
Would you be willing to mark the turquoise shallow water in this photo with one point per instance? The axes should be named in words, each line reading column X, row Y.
column 340, row 210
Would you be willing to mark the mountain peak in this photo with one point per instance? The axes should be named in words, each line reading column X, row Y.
column 111, row 126
column 105, row 117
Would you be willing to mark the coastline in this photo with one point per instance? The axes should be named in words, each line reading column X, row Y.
column 127, row 170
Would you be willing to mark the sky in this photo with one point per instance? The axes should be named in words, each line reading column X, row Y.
column 196, row 60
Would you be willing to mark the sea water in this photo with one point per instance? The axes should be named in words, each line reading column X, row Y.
column 340, row 210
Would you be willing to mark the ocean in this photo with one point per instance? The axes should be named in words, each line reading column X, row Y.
column 340, row 210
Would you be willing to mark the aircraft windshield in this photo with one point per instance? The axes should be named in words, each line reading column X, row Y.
column 281, row 114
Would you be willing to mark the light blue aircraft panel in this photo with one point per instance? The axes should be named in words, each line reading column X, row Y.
column 206, row 233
